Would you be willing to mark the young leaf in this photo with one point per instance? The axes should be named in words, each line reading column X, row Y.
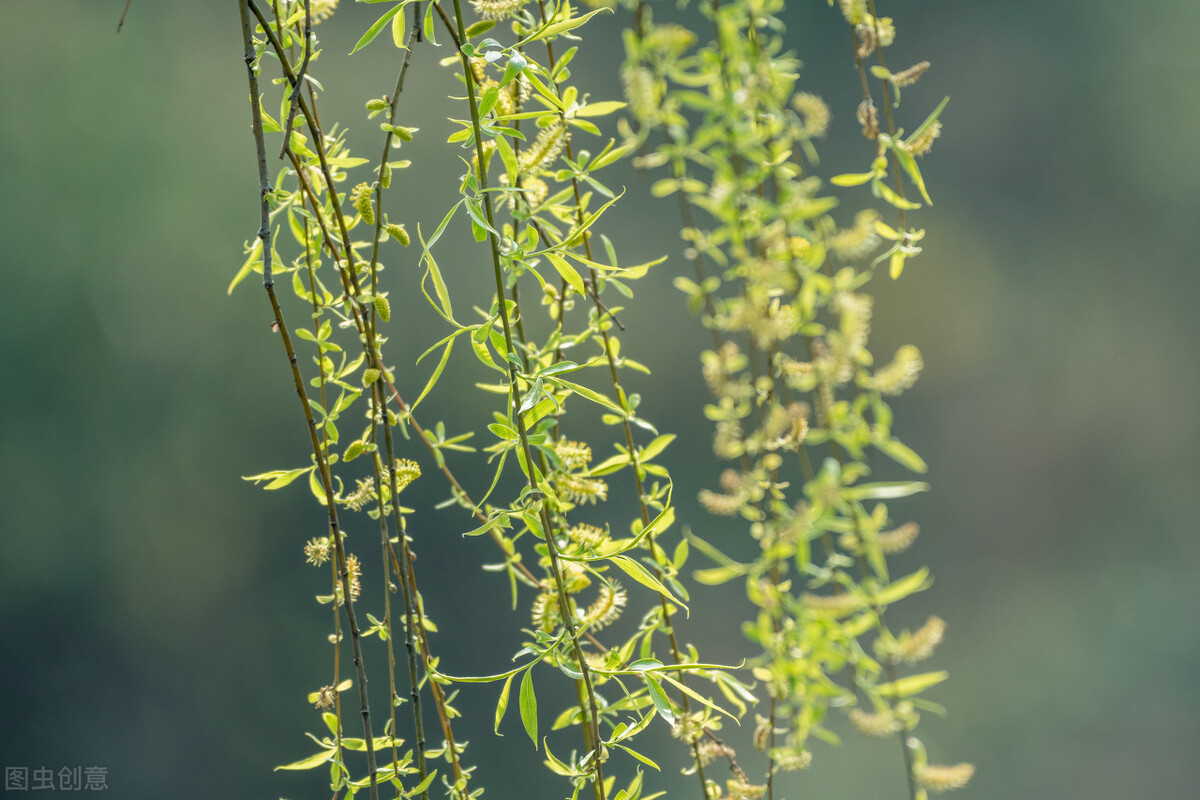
column 644, row 759
column 315, row 760
column 662, row 703
column 589, row 394
column 278, row 478
column 502, row 705
column 599, row 109
column 568, row 272
column 655, row 447
column 913, row 684
column 528, row 704
column 374, row 30
column 852, row 179
column 556, row 28
column 636, row 571
column 420, row 788
column 252, row 260
column 437, row 373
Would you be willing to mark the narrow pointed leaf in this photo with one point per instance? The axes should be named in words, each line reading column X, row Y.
column 528, row 704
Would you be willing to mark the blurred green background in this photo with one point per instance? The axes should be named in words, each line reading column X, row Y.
column 156, row 617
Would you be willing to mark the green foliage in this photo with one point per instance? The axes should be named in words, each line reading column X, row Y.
column 798, row 403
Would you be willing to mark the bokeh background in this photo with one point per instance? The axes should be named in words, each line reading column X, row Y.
column 155, row 614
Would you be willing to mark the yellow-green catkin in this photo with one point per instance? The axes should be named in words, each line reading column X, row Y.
column 944, row 777
column 360, row 198
column 397, row 232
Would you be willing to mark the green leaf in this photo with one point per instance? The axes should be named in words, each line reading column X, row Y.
column 909, row 165
column 420, row 788
column 500, row 520
column 685, row 689
column 715, row 576
column 247, row 267
column 662, row 703
column 278, row 478
column 539, row 411
column 589, row 394
column 544, row 91
column 636, row 571
column 664, row 187
column 315, row 486
column 557, row 765
column 488, row 101
column 428, row 24
column 852, row 179
column 374, row 30
column 502, row 705
column 314, row 760
column 269, row 123
column 508, row 158
column 516, row 65
column 437, row 234
column 888, row 490
column 437, row 373
column 889, row 194
column 644, row 759
column 439, row 287
column 568, row 272
column 902, row 453
column 556, row 28
column 913, row 684
column 655, row 447
column 576, row 235
column 345, row 162
column 558, row 368
column 609, row 155
column 928, row 123
column 528, row 704
column 398, row 31
column 502, row 431
column 609, row 465
column 896, row 591
column 599, row 109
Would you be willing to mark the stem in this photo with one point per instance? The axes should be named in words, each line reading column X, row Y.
column 403, row 569
column 337, row 619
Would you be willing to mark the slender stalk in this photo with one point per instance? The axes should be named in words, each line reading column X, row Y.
column 402, row 568
column 323, row 378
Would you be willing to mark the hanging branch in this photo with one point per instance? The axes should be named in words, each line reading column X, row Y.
column 264, row 235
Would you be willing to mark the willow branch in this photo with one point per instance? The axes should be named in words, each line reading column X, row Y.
column 264, row 234
column 522, row 433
